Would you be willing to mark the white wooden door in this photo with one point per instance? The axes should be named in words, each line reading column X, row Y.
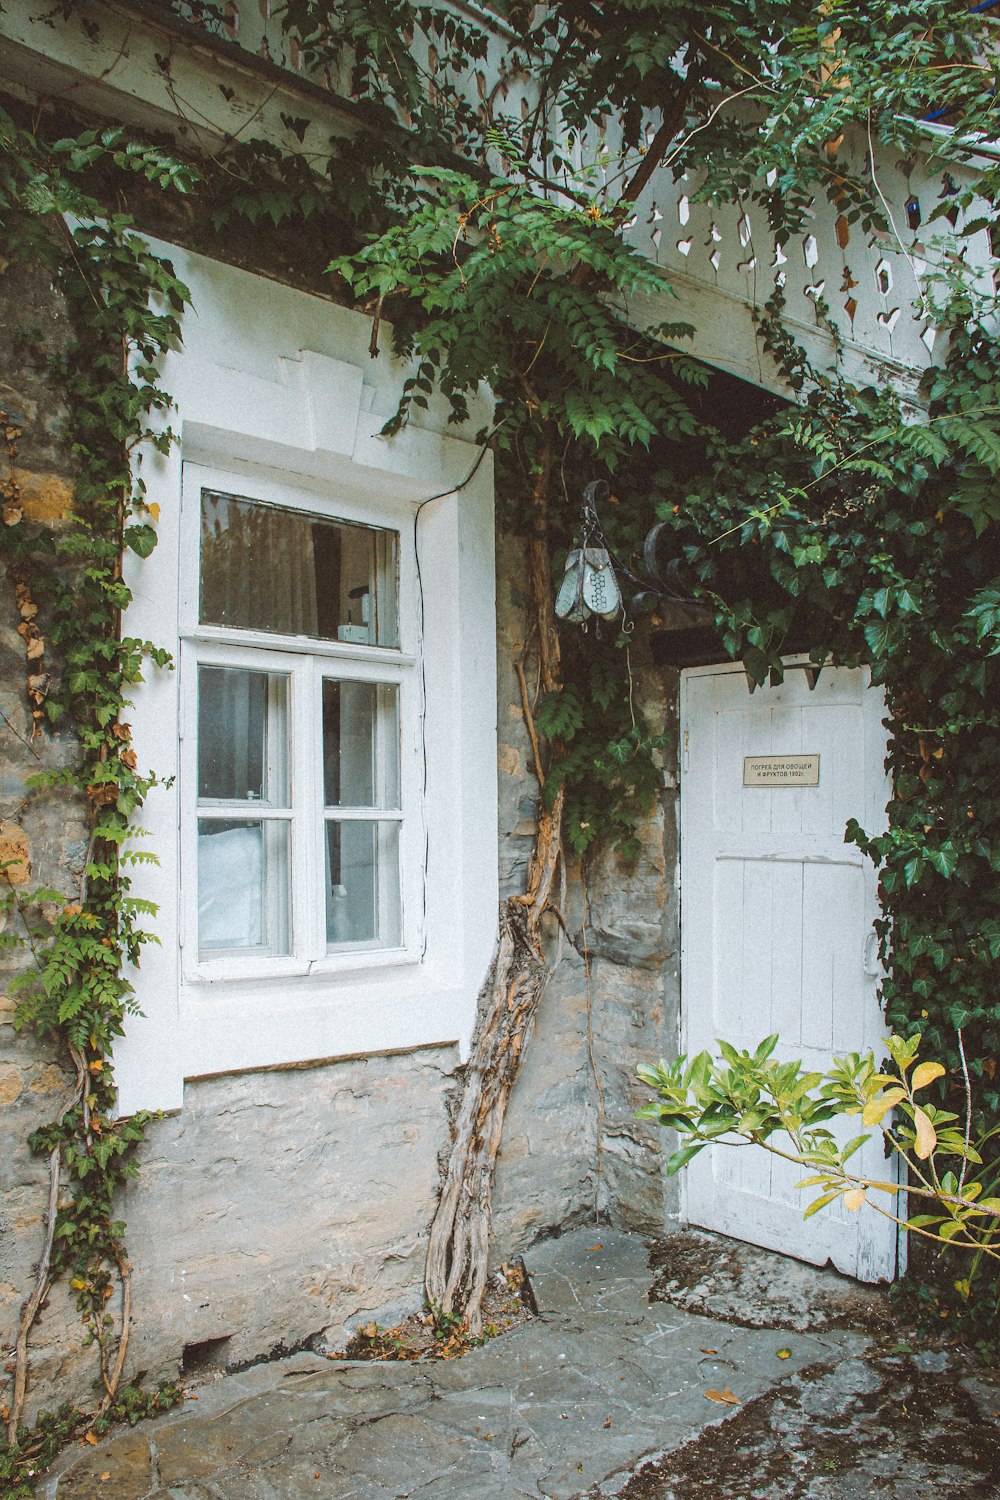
column 776, row 914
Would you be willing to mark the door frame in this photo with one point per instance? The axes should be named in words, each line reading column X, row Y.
column 875, row 746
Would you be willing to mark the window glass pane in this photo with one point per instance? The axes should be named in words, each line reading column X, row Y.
column 360, row 744
column 362, row 883
column 243, row 885
column 242, row 736
column 284, row 571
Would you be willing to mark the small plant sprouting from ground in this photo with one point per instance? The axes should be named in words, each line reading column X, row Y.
column 438, row 1334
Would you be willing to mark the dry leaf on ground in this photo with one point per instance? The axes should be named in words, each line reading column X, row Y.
column 726, row 1396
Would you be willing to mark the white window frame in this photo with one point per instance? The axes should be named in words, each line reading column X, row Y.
column 275, row 394
column 306, row 661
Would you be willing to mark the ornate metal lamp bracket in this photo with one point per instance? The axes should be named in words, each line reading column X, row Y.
column 591, row 585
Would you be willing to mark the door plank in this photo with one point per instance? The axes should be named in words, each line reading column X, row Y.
column 775, row 910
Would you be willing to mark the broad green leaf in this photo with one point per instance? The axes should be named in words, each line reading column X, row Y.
column 944, row 860
column 141, row 539
column 882, row 637
column 682, row 1157
column 766, row 1047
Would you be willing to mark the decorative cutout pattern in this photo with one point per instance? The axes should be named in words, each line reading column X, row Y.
column 879, row 311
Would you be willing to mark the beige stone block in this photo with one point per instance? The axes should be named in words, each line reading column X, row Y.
column 44, row 497
column 50, row 1080
column 508, row 761
column 15, row 854
column 24, row 1223
column 11, row 1083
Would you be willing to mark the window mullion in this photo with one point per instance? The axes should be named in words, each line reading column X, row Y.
column 307, row 768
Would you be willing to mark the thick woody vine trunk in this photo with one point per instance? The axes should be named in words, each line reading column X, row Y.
column 457, row 1253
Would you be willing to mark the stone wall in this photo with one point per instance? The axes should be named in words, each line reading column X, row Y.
column 279, row 1206
column 571, row 1118
column 43, row 837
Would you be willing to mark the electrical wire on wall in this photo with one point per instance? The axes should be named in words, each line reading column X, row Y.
column 455, row 489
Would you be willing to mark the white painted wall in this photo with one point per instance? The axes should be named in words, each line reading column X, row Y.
column 279, row 384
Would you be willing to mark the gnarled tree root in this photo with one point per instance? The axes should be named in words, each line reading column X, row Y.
column 457, row 1254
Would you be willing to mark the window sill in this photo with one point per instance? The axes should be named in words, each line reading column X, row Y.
column 261, row 970
column 237, row 1027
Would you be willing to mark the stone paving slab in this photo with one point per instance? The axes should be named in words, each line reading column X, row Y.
column 568, row 1404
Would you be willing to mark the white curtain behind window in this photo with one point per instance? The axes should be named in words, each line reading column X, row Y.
column 258, row 567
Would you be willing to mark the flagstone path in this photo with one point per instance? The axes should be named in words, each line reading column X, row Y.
column 570, row 1404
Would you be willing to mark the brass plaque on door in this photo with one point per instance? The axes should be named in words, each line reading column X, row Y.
column 781, row 770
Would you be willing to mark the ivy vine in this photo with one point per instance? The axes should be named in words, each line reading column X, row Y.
column 123, row 307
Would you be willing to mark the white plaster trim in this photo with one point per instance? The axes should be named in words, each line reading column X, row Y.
column 278, row 386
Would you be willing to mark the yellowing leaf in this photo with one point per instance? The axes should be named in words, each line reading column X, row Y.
column 783, row 1353
column 726, row 1397
column 876, row 1109
column 88, row 1437
column 855, row 1199
column 926, row 1134
column 924, row 1074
